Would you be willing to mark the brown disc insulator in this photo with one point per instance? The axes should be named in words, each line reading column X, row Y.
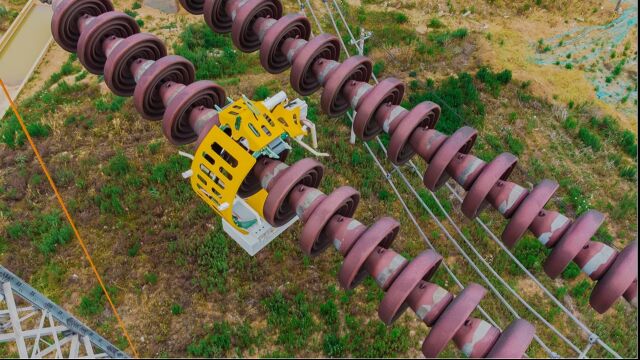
column 342, row 202
column 492, row 175
column 595, row 259
column 527, row 212
column 180, row 124
column 344, row 231
column 216, row 16
column 514, row 341
column 423, row 116
column 333, row 101
column 549, row 226
column 388, row 92
column 322, row 47
column 91, row 52
column 460, row 142
column 243, row 34
column 464, row 169
column 122, row 54
column 476, row 337
column 146, row 97
column 280, row 181
column 621, row 279
column 196, row 7
column 380, row 234
column 572, row 242
column 452, row 320
column 396, row 300
column 68, row 16
column 292, row 26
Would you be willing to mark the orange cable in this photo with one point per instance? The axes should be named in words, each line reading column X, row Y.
column 66, row 212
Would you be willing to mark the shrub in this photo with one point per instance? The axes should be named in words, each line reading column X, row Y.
column 459, row 33
column 215, row 344
column 515, row 145
column 590, row 139
column 628, row 142
column 329, row 312
column 530, row 252
column 173, row 166
column 625, row 207
column 570, row 123
column 378, row 67
column 176, row 309
column 46, row 231
column 109, row 200
column 464, row 106
column 333, row 345
column 629, row 172
column 571, row 272
column 435, row 23
column 431, row 203
column 443, row 37
column 211, row 258
column 212, row 54
column 118, row 165
column 94, row 302
column 112, row 103
column 494, row 81
column 580, row 291
column 400, row 18
column 131, row 13
column 151, row 278
column 261, row 92
column 134, row 249
column 11, row 132
column 291, row 318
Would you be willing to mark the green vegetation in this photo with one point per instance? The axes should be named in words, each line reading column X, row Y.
column 462, row 97
column 109, row 104
column 212, row 54
column 435, row 23
column 36, row 108
column 215, row 344
column 590, row 139
column 261, row 92
column 93, row 303
column 118, row 165
column 221, row 338
column 378, row 67
column 291, row 318
column 211, row 259
column 151, row 278
column 400, row 18
column 444, row 37
column 609, row 128
column 176, row 309
column 47, row 231
column 125, row 191
column 494, row 81
column 109, row 200
column 6, row 17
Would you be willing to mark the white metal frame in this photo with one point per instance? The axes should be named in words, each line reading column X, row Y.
column 41, row 329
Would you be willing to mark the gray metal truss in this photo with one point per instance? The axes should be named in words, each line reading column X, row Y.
column 41, row 329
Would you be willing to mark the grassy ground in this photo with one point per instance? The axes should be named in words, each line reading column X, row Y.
column 184, row 288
